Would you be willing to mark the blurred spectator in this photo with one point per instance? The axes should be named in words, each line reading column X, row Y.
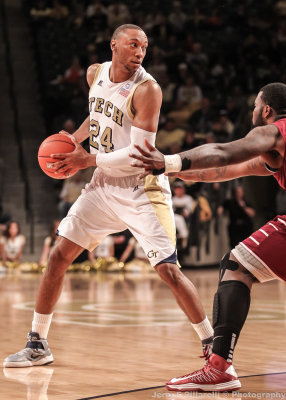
column 197, row 58
column 121, row 240
column 177, row 18
column 71, row 190
column 182, row 233
column 49, row 243
column 226, row 123
column 104, row 249
column 158, row 67
column 117, row 14
column 97, row 14
column 12, row 243
column 40, row 10
column 169, row 135
column 240, row 216
column 219, row 131
column 182, row 203
column 190, row 140
column 69, row 126
column 188, row 93
column 201, row 119
column 75, row 72
column 168, row 92
column 133, row 246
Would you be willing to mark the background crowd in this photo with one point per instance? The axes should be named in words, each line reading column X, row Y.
column 210, row 58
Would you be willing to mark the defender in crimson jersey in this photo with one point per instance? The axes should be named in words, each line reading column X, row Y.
column 260, row 257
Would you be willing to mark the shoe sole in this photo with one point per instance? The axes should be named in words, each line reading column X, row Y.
column 192, row 387
column 22, row 364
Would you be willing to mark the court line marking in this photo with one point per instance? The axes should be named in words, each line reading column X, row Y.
column 162, row 386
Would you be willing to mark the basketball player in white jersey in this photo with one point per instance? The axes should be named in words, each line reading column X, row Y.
column 124, row 103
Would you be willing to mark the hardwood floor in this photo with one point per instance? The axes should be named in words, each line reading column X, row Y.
column 121, row 336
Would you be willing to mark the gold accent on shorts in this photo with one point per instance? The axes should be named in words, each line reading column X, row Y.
column 156, row 197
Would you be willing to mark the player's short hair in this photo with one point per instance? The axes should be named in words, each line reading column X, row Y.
column 274, row 95
column 122, row 28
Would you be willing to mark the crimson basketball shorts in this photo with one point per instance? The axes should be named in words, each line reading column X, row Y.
column 113, row 204
column 264, row 252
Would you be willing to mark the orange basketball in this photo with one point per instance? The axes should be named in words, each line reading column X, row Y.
column 54, row 144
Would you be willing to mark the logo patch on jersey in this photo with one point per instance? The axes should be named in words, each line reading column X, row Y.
column 124, row 91
column 100, row 83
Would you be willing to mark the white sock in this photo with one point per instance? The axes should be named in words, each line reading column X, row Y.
column 204, row 329
column 41, row 324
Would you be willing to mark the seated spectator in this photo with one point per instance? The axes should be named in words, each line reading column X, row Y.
column 71, row 190
column 133, row 245
column 105, row 249
column 182, row 203
column 219, row 131
column 188, row 93
column 12, row 243
column 117, row 14
column 49, row 243
column 201, row 119
column 158, row 67
column 177, row 17
column 182, row 232
column 226, row 123
column 191, row 141
column 169, row 135
column 168, row 91
column 69, row 126
column 240, row 216
column 75, row 72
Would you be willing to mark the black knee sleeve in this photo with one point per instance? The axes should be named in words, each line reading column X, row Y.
column 225, row 264
column 230, row 309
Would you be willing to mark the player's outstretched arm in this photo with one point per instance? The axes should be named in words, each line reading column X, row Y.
column 258, row 141
column 255, row 166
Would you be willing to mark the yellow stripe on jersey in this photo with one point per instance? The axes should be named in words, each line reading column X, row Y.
column 130, row 97
column 154, row 193
column 95, row 76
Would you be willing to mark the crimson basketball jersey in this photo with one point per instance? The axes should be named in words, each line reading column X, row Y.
column 280, row 175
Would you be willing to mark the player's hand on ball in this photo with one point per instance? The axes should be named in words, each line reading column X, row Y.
column 152, row 160
column 78, row 159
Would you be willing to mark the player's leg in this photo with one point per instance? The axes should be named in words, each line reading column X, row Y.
column 258, row 258
column 230, row 309
column 151, row 220
column 188, row 299
column 37, row 350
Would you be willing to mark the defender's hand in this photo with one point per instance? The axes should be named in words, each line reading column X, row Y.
column 152, row 160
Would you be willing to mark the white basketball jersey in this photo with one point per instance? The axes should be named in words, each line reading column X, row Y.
column 111, row 115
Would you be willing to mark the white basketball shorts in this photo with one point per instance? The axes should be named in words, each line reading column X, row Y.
column 109, row 205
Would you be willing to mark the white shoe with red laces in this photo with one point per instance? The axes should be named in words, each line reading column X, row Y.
column 217, row 375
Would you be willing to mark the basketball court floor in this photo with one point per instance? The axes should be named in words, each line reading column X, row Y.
column 117, row 336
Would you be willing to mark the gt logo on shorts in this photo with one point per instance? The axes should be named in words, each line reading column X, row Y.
column 152, row 254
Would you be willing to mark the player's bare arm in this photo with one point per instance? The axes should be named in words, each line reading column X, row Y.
column 146, row 106
column 260, row 141
column 255, row 166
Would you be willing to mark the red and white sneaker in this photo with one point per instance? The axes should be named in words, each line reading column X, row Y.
column 217, row 375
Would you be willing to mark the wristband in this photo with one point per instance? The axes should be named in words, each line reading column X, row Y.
column 173, row 163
